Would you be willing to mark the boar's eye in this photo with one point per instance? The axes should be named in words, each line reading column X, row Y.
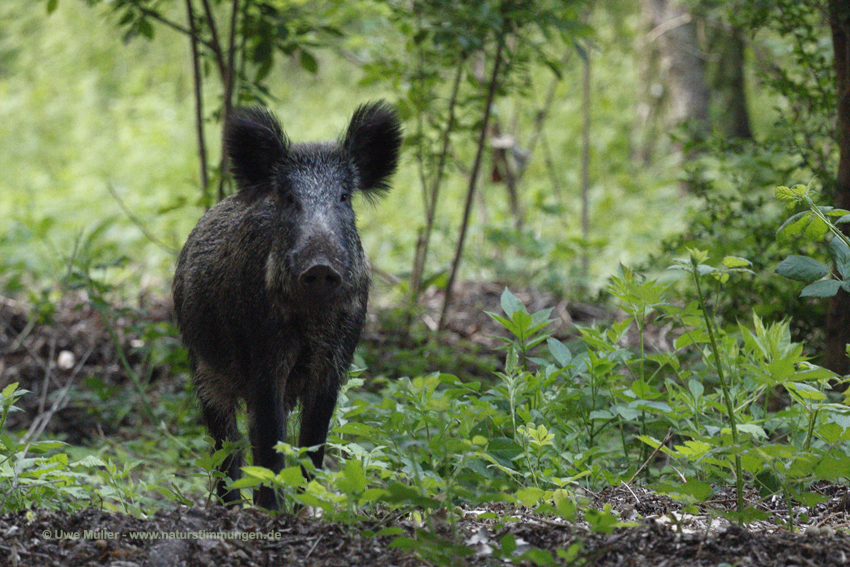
column 289, row 199
column 344, row 197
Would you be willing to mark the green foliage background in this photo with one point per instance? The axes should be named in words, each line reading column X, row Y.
column 82, row 112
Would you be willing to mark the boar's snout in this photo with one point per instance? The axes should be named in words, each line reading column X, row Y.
column 320, row 278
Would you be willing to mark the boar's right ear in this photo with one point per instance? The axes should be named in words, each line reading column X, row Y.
column 255, row 142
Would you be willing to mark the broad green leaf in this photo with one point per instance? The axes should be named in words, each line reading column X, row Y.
column 291, row 476
column 693, row 449
column 696, row 388
column 600, row 521
column 735, row 262
column 505, row 322
column 642, row 389
column 529, row 496
column 695, row 336
column 404, row 543
column 628, row 413
column 698, row 489
column 559, row 351
column 805, row 391
column 541, row 557
column 508, row 543
column 841, row 253
column 510, row 303
column 805, row 223
column 10, row 389
column 564, row 504
column 260, row 473
column 833, row 467
column 831, row 432
column 541, row 318
column 802, row 269
column 353, row 478
column 752, row 429
column 308, row 62
column 504, row 448
column 825, row 288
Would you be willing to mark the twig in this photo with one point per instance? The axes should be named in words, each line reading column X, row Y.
column 46, row 382
column 667, row 26
column 318, row 539
column 173, row 25
column 10, row 548
column 138, row 222
column 39, row 424
column 629, row 488
column 651, row 456
column 215, row 46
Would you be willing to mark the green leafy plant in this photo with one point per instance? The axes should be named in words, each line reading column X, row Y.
column 815, row 224
column 35, row 473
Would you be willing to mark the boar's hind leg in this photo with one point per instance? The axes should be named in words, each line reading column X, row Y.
column 267, row 426
column 221, row 423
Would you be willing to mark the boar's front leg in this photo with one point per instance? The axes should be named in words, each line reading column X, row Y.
column 267, row 427
column 318, row 405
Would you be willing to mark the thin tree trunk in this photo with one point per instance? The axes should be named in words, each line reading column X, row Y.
column 228, row 80
column 727, row 82
column 838, row 316
column 421, row 255
column 585, row 163
column 199, row 102
column 682, row 67
column 473, row 179
column 675, row 33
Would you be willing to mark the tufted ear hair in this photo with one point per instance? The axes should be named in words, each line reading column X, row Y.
column 373, row 143
column 255, row 143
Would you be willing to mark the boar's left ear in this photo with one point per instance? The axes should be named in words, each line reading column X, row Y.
column 373, row 141
column 255, row 142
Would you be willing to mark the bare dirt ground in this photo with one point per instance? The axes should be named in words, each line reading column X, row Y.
column 31, row 353
column 249, row 537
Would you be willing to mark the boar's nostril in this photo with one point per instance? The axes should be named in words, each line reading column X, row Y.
column 320, row 279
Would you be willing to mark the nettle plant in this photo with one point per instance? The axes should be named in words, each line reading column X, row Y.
column 773, row 423
column 815, row 224
column 742, row 403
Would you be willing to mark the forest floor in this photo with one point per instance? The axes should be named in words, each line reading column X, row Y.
column 31, row 353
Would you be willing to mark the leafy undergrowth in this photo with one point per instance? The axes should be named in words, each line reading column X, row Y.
column 562, row 456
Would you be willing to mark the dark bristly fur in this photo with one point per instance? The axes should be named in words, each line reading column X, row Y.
column 271, row 287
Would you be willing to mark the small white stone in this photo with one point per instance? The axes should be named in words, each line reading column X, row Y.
column 66, row 360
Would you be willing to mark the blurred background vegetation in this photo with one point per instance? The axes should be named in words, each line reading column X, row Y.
column 619, row 132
